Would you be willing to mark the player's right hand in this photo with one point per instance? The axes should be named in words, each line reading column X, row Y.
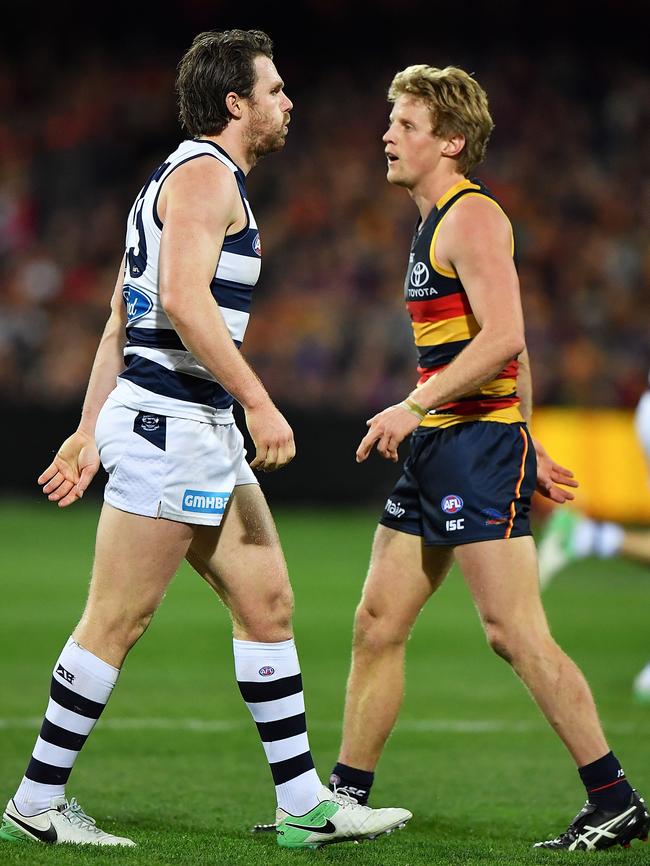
column 76, row 463
column 272, row 437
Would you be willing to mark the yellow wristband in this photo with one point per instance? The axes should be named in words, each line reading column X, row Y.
column 414, row 408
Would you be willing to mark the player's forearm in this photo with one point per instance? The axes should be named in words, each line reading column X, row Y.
column 477, row 364
column 205, row 334
column 108, row 363
column 525, row 387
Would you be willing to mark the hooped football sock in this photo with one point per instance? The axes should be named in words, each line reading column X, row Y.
column 81, row 685
column 606, row 783
column 268, row 676
column 356, row 782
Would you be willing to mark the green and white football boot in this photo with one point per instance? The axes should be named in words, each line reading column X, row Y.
column 337, row 818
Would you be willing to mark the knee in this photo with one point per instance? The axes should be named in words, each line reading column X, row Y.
column 504, row 639
column 134, row 628
column 119, row 631
column 279, row 607
column 269, row 620
column 376, row 630
column 514, row 644
column 499, row 640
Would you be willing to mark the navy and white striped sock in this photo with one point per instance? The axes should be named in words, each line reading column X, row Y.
column 268, row 675
column 81, row 687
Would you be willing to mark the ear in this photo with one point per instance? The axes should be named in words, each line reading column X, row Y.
column 453, row 146
column 234, row 105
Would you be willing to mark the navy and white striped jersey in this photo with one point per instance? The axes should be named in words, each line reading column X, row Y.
column 161, row 376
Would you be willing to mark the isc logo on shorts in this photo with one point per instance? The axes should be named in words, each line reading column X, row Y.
column 205, row 501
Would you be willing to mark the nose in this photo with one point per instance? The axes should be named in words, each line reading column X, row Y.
column 288, row 104
column 388, row 135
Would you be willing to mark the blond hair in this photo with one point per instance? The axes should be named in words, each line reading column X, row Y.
column 457, row 104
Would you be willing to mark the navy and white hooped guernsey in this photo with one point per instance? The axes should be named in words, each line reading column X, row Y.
column 161, row 376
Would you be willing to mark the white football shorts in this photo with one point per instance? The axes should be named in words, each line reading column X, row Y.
column 160, row 466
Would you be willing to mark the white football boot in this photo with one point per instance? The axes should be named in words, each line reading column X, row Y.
column 337, row 818
column 63, row 822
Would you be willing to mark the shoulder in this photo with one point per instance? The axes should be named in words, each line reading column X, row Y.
column 476, row 225
column 201, row 187
column 474, row 229
column 475, row 213
column 202, row 172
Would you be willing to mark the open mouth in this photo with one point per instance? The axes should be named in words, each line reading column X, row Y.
column 391, row 158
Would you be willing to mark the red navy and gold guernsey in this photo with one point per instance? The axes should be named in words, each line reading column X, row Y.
column 443, row 322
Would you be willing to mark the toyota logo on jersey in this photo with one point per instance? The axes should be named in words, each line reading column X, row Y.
column 419, row 274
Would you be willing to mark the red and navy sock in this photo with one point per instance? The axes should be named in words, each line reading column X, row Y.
column 356, row 782
column 605, row 782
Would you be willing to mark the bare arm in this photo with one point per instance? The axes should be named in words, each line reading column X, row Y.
column 199, row 204
column 76, row 462
column 109, row 360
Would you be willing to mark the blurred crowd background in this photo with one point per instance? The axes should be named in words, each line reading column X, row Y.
column 84, row 121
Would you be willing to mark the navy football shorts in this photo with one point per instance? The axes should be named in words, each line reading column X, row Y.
column 466, row 483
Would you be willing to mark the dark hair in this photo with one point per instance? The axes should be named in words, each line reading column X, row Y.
column 215, row 65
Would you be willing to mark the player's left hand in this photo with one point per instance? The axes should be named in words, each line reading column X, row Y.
column 550, row 474
column 74, row 466
column 387, row 429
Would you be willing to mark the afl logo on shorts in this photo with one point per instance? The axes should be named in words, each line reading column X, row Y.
column 257, row 244
column 266, row 671
column 452, row 503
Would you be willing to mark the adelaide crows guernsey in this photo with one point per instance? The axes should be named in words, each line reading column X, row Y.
column 443, row 322
column 161, row 375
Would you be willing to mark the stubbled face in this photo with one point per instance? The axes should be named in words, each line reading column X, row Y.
column 269, row 108
column 412, row 150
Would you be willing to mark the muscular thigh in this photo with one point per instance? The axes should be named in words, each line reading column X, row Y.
column 403, row 574
column 242, row 560
column 135, row 559
column 502, row 578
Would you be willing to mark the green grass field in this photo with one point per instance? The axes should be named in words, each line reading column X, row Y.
column 176, row 764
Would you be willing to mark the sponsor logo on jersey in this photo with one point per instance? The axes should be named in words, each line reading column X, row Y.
column 419, row 274
column 257, row 244
column 418, row 294
column 455, row 525
column 205, row 501
column 494, row 517
column 266, row 671
column 452, row 503
column 138, row 303
column 394, row 508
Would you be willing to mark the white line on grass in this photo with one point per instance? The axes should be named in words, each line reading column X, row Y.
column 407, row 726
